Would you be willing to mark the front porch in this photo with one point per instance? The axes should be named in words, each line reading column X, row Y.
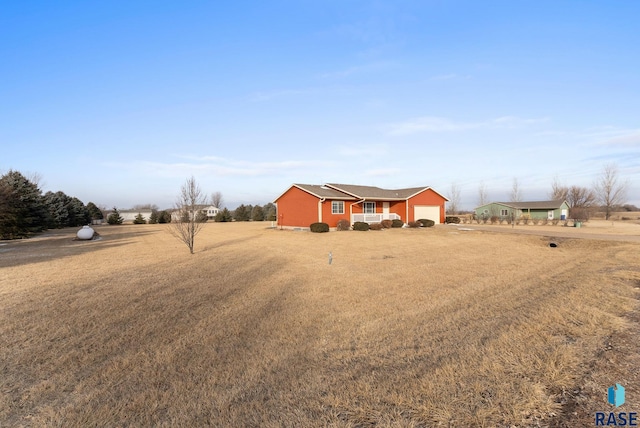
column 374, row 218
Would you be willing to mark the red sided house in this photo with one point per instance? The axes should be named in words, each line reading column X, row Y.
column 303, row 204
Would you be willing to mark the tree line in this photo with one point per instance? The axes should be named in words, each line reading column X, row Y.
column 243, row 212
column 249, row 212
column 25, row 210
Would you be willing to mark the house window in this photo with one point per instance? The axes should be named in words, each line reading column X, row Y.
column 504, row 213
column 337, row 207
column 369, row 208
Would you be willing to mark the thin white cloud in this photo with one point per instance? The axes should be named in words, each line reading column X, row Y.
column 441, row 124
column 362, row 150
column 373, row 30
column 603, row 136
column 214, row 166
column 516, row 122
column 358, row 69
column 383, row 172
column 428, row 124
column 205, row 158
column 629, row 139
column 270, row 95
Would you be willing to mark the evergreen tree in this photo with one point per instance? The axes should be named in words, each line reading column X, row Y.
column 6, row 208
column 78, row 213
column 223, row 215
column 241, row 213
column 139, row 219
column 25, row 211
column 164, row 217
column 57, row 208
column 65, row 211
column 115, row 217
column 257, row 214
column 95, row 213
column 154, row 217
column 269, row 212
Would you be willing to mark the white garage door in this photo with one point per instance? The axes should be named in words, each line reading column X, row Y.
column 430, row 212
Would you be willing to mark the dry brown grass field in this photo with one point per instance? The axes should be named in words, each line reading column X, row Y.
column 424, row 327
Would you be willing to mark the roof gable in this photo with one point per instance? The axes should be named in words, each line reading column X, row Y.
column 372, row 192
column 320, row 192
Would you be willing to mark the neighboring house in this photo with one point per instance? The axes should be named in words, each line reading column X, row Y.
column 551, row 210
column 209, row 210
column 129, row 215
column 303, row 204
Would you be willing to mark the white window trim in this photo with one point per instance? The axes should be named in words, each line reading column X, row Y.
column 341, row 205
column 364, row 207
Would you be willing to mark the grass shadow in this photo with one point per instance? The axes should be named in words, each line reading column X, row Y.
column 62, row 243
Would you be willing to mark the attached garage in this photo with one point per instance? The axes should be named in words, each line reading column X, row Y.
column 430, row 212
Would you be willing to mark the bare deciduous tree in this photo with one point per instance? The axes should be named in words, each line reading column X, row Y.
column 516, row 195
column 454, row 199
column 482, row 194
column 36, row 178
column 580, row 197
column 580, row 200
column 558, row 191
column 610, row 191
column 145, row 207
column 187, row 223
column 216, row 199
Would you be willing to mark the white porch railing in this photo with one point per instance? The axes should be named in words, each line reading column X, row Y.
column 374, row 218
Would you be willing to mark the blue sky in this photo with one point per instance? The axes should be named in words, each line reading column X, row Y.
column 119, row 102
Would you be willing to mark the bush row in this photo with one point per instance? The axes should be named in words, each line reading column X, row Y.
column 362, row 226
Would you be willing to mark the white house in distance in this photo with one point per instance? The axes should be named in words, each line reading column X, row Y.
column 210, row 210
column 128, row 215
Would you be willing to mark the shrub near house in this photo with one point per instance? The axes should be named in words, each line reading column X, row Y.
column 427, row 222
column 319, row 227
column 361, row 225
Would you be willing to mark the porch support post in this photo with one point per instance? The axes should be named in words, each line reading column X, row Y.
column 320, row 201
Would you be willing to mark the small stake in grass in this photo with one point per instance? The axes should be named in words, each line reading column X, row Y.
column 330, row 257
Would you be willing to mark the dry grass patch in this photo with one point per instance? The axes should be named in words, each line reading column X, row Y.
column 405, row 327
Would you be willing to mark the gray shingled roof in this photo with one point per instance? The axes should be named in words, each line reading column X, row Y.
column 540, row 205
column 323, row 192
column 370, row 192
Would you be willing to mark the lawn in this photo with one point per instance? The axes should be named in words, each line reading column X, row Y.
column 406, row 327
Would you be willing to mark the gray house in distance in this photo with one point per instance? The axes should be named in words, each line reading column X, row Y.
column 551, row 210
